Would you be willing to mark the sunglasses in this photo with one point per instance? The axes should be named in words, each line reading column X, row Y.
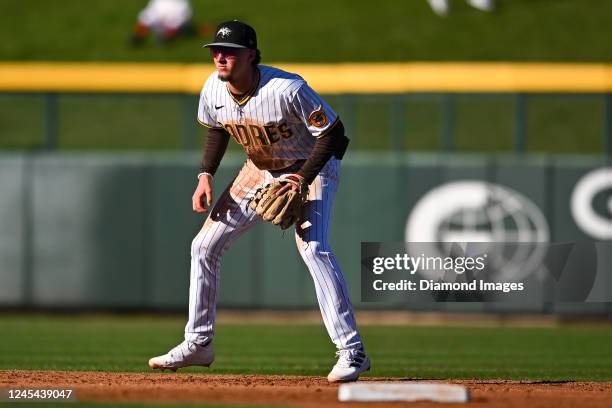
column 227, row 52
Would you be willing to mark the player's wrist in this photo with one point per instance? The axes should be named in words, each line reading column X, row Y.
column 292, row 176
column 204, row 173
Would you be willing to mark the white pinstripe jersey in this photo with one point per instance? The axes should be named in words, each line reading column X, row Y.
column 276, row 123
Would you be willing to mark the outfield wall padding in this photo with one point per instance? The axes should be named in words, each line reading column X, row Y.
column 114, row 230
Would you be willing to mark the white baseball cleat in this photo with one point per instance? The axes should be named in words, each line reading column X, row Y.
column 183, row 355
column 350, row 364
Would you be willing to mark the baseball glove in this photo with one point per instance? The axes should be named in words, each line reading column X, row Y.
column 282, row 210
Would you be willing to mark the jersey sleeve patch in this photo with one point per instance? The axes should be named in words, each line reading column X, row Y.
column 318, row 118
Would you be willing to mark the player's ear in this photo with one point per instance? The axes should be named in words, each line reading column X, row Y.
column 256, row 57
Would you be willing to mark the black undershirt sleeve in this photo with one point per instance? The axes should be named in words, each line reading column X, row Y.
column 333, row 143
column 214, row 149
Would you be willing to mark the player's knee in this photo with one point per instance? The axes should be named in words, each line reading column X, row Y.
column 195, row 246
column 206, row 255
column 200, row 247
column 311, row 247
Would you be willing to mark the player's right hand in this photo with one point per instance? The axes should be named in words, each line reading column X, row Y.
column 203, row 195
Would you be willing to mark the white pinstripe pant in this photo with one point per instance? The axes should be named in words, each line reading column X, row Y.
column 231, row 217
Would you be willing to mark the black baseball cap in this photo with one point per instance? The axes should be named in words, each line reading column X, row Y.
column 234, row 34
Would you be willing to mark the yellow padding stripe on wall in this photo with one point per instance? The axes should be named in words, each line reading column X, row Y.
column 325, row 78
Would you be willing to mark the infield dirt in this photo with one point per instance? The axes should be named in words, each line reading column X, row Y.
column 291, row 391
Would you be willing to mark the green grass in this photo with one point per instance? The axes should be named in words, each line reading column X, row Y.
column 316, row 31
column 108, row 343
column 555, row 124
column 307, row 30
column 81, row 404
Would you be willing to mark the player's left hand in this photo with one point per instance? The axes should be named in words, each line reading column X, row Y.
column 289, row 186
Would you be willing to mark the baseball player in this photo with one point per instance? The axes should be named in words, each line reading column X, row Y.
column 442, row 7
column 287, row 131
column 167, row 19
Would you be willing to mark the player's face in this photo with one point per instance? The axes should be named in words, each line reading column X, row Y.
column 232, row 63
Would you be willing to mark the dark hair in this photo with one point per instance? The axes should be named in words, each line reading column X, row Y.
column 257, row 58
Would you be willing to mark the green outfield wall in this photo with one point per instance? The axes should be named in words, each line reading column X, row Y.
column 114, row 230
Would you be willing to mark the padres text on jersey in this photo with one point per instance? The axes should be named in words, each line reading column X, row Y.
column 276, row 122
